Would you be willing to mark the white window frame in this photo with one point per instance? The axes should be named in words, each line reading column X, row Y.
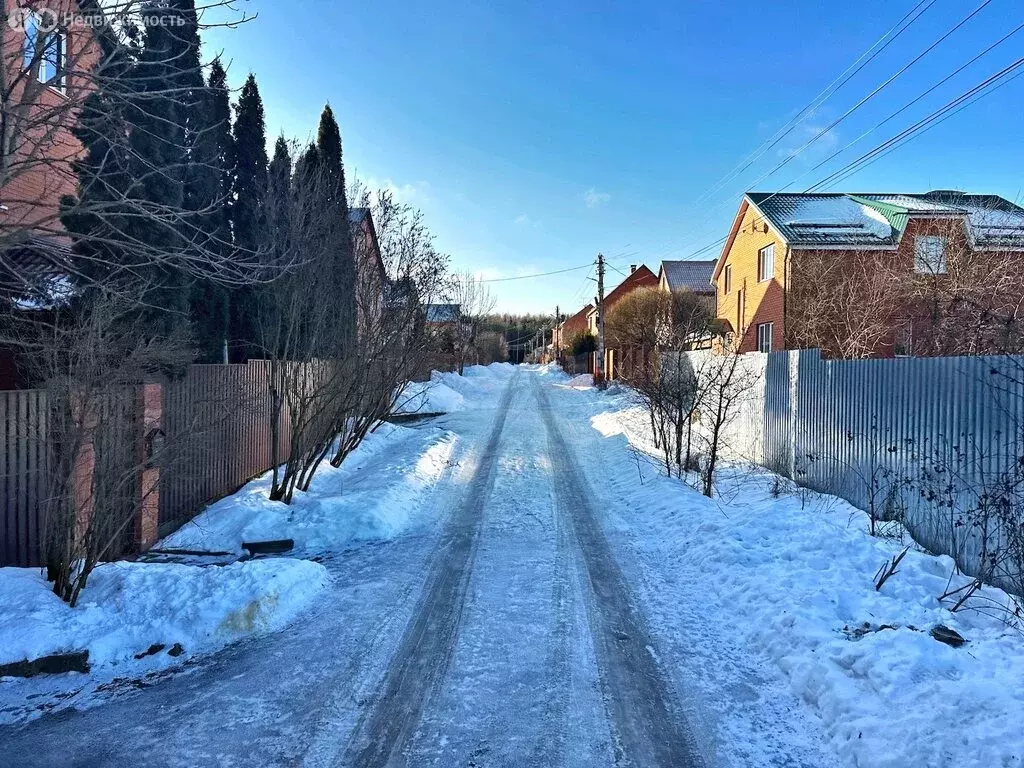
column 764, row 336
column 49, row 70
column 766, row 263
column 728, row 278
column 930, row 254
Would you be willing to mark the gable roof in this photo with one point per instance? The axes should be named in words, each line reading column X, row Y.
column 872, row 219
column 692, row 276
column 363, row 218
column 577, row 322
column 640, row 277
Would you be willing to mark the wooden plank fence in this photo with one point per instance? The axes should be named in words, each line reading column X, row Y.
column 216, row 436
column 23, row 468
column 217, row 426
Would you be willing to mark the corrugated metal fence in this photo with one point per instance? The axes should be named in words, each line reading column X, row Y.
column 216, row 437
column 913, row 437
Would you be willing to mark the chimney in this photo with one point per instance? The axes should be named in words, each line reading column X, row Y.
column 632, row 268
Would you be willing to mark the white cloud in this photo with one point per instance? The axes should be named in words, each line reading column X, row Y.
column 523, row 220
column 415, row 193
column 595, row 199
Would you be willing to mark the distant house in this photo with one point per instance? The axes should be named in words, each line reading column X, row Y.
column 370, row 273
column 692, row 276
column 638, row 277
column 873, row 275
column 442, row 314
column 573, row 326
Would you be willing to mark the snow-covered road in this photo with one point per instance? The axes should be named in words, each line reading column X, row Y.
column 517, row 628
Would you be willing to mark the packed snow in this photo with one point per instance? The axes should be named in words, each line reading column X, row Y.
column 129, row 607
column 790, row 579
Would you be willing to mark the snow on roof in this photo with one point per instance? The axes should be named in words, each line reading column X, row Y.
column 879, row 218
column 824, row 219
column 692, row 276
column 443, row 313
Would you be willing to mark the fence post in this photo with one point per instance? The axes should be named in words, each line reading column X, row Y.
column 793, row 360
column 148, row 442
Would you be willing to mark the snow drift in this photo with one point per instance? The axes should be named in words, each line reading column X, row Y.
column 129, row 607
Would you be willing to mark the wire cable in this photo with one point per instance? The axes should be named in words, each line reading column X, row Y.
column 536, row 274
column 821, row 98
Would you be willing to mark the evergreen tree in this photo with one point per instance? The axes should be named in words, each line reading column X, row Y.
column 249, row 183
column 329, row 157
column 165, row 78
column 208, row 195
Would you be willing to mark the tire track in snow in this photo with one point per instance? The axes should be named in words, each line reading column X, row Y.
column 424, row 653
column 648, row 726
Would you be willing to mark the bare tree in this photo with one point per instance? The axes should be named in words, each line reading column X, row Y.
column 726, row 384
column 331, row 384
column 92, row 360
column 475, row 301
column 966, row 300
column 844, row 303
column 83, row 313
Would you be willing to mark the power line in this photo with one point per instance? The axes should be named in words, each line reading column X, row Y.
column 963, row 100
column 821, row 98
column 947, row 110
column 915, row 130
column 536, row 274
column 878, row 89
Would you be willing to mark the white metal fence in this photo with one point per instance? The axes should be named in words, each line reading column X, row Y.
column 938, row 442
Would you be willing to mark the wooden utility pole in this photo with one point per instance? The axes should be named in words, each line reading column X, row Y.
column 556, row 334
column 600, row 322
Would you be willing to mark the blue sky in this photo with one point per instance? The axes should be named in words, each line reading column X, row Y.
column 535, row 135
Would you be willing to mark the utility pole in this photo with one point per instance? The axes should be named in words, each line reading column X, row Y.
column 600, row 322
column 556, row 334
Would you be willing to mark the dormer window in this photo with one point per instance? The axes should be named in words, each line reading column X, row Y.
column 45, row 51
column 930, row 255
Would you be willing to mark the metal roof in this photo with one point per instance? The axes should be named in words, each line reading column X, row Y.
column 692, row 276
column 443, row 313
column 878, row 219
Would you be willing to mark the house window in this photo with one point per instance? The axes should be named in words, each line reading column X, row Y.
column 728, row 278
column 766, row 263
column 764, row 337
column 45, row 51
column 930, row 255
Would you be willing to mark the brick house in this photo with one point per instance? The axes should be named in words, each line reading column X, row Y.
column 46, row 77
column 371, row 277
column 572, row 326
column 872, row 275
column 638, row 277
column 692, row 276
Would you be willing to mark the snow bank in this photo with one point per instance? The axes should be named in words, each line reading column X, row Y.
column 447, row 392
column 791, row 580
column 583, row 380
column 371, row 496
column 128, row 607
column 429, row 397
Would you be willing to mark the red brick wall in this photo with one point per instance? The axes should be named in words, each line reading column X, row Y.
column 38, row 172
